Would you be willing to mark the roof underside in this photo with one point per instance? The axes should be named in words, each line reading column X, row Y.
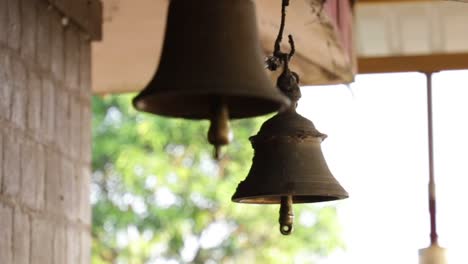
column 394, row 36
column 390, row 36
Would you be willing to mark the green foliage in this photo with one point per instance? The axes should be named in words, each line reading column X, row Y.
column 158, row 197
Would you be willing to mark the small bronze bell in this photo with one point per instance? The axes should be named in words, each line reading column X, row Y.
column 288, row 166
column 211, row 67
column 288, row 161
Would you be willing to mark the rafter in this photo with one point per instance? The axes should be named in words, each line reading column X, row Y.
column 420, row 63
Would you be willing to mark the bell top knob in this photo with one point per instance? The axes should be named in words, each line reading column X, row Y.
column 288, row 124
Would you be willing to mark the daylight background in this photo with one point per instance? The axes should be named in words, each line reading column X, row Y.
column 158, row 198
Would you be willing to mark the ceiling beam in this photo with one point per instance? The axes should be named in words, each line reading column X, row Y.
column 399, row 1
column 390, row 1
column 419, row 63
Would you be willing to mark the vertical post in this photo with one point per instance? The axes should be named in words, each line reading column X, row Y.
column 434, row 254
column 45, row 133
column 432, row 195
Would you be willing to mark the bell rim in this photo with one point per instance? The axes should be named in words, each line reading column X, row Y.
column 297, row 198
column 304, row 192
column 271, row 104
column 296, row 138
column 213, row 53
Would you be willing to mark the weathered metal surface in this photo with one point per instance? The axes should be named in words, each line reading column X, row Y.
column 211, row 67
column 288, row 161
column 211, row 52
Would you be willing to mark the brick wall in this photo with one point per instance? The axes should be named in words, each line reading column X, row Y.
column 45, row 136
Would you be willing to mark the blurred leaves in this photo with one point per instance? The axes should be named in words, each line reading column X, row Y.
column 158, row 197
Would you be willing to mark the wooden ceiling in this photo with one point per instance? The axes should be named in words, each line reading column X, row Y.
column 397, row 36
column 390, row 36
column 133, row 34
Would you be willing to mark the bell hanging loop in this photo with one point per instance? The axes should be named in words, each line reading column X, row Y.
column 211, row 51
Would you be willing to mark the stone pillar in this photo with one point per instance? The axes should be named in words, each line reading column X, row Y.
column 45, row 135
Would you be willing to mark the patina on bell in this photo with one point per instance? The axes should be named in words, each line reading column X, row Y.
column 288, row 167
column 288, row 161
column 211, row 67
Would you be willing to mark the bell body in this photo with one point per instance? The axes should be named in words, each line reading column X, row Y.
column 288, row 161
column 433, row 255
column 211, row 53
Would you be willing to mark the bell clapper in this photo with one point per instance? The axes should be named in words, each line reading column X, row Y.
column 286, row 218
column 217, row 152
column 219, row 133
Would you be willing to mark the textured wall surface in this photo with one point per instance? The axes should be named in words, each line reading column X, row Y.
column 411, row 27
column 44, row 136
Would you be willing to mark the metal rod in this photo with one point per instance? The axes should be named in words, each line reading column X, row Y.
column 432, row 194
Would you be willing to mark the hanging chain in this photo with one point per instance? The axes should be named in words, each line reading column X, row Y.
column 288, row 81
column 279, row 58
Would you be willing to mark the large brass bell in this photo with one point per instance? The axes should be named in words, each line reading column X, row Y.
column 211, row 67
